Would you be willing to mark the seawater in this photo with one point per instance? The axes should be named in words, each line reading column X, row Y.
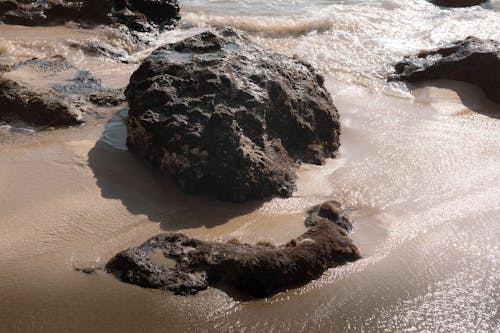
column 356, row 41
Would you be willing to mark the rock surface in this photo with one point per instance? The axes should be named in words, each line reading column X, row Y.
column 185, row 266
column 472, row 60
column 225, row 116
column 141, row 15
column 37, row 107
column 51, row 92
column 458, row 3
column 98, row 48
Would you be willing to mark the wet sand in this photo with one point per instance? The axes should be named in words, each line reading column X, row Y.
column 418, row 172
column 418, row 175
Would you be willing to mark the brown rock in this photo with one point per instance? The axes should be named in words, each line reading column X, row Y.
column 190, row 265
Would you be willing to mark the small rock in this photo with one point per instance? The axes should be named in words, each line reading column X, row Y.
column 56, row 104
column 98, row 48
column 88, row 270
column 472, row 60
column 458, row 3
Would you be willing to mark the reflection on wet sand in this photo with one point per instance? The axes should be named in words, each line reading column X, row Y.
column 419, row 176
column 420, row 224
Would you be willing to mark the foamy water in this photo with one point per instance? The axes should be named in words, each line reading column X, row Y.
column 418, row 172
column 355, row 41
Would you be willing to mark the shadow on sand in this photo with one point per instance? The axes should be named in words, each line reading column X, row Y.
column 471, row 96
column 143, row 189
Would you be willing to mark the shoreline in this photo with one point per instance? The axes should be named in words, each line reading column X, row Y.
column 417, row 173
column 92, row 223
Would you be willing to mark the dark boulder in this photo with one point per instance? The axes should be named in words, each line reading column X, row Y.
column 225, row 116
column 185, row 266
column 141, row 15
column 161, row 12
column 25, row 12
column 458, row 3
column 472, row 60
column 133, row 20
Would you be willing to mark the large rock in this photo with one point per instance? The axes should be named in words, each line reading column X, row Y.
column 472, row 60
column 51, row 92
column 139, row 15
column 223, row 115
column 458, row 3
column 177, row 263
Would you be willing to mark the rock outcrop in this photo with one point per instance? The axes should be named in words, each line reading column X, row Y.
column 144, row 15
column 37, row 107
column 57, row 94
column 174, row 262
column 225, row 116
column 472, row 60
column 458, row 3
column 141, row 15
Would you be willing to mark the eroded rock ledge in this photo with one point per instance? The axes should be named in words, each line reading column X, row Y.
column 174, row 262
column 26, row 95
column 472, row 60
column 140, row 15
column 225, row 116
column 36, row 107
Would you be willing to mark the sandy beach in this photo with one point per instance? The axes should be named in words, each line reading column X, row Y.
column 418, row 173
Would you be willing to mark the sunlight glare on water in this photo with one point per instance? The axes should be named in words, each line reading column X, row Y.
column 356, row 41
column 418, row 173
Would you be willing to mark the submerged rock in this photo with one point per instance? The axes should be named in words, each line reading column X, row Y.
column 51, row 92
column 141, row 15
column 458, row 3
column 98, row 48
column 223, row 115
column 185, row 266
column 472, row 60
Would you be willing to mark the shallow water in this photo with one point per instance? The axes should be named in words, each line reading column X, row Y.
column 419, row 172
column 355, row 41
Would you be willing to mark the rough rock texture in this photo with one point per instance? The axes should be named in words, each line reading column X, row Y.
column 223, row 115
column 177, row 263
column 57, row 93
column 472, row 60
column 37, row 107
column 141, row 15
column 458, row 3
